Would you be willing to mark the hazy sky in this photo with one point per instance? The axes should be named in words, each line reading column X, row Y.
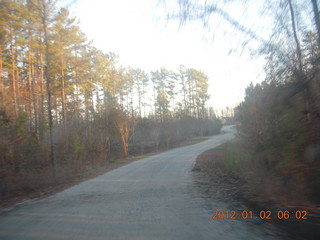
column 136, row 30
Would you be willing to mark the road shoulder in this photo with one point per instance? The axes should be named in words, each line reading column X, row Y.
column 220, row 183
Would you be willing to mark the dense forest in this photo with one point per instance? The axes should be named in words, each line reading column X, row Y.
column 279, row 119
column 66, row 107
column 278, row 144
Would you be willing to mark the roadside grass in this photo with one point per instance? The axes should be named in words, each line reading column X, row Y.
column 258, row 185
column 235, row 174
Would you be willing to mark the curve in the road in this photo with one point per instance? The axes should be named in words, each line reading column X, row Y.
column 153, row 198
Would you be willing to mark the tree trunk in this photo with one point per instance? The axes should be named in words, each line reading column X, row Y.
column 88, row 105
column 2, row 93
column 41, row 98
column 139, row 97
column 298, row 49
column 35, row 103
column 124, row 139
column 76, row 82
column 63, row 92
column 48, row 85
column 316, row 18
column 13, row 81
column 30, row 89
column 123, row 129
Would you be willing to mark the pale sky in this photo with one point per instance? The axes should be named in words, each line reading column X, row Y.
column 134, row 30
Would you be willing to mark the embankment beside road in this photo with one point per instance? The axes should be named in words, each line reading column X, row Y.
column 232, row 175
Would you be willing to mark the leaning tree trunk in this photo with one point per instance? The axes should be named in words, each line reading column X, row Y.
column 295, row 35
column 316, row 18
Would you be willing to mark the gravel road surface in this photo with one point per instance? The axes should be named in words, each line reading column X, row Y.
column 154, row 198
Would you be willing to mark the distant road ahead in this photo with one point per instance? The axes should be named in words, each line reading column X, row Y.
column 154, row 198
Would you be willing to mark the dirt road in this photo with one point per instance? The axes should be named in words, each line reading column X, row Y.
column 154, row 198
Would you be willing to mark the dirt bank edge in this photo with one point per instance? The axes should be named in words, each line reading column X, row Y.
column 226, row 184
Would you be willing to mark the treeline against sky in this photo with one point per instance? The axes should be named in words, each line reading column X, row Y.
column 279, row 119
column 66, row 106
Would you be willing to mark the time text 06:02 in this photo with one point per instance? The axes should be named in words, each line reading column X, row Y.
column 263, row 214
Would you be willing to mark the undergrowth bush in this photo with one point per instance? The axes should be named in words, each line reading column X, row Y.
column 276, row 134
column 80, row 147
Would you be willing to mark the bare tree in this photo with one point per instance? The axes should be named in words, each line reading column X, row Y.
column 316, row 18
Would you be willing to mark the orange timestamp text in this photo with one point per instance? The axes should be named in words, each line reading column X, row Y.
column 262, row 214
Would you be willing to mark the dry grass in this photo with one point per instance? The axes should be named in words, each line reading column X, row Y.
column 258, row 186
column 234, row 173
column 37, row 183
